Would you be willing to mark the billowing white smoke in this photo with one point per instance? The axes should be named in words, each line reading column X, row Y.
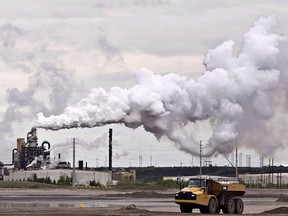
column 237, row 94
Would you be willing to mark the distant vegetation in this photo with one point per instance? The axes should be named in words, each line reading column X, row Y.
column 149, row 185
column 157, row 173
column 26, row 184
column 34, row 182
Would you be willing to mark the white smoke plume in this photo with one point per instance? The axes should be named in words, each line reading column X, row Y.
column 238, row 93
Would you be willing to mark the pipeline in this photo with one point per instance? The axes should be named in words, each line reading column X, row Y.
column 13, row 153
column 45, row 142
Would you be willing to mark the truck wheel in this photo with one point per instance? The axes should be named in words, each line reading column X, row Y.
column 239, row 206
column 229, row 207
column 185, row 208
column 212, row 206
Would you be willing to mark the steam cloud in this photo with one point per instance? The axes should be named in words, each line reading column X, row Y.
column 241, row 93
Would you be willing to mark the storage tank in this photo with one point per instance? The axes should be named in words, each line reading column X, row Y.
column 20, row 144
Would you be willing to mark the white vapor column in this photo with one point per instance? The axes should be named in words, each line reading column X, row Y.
column 238, row 94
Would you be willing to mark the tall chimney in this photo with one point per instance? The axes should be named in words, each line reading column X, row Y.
column 110, row 149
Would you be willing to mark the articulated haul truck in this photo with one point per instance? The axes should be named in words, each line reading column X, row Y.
column 211, row 196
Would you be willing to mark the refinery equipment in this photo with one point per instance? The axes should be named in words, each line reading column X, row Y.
column 29, row 154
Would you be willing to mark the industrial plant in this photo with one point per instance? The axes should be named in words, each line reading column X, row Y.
column 30, row 158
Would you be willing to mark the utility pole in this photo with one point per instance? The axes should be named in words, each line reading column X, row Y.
column 207, row 164
column 272, row 170
column 269, row 171
column 140, row 160
column 192, row 161
column 74, row 176
column 236, row 161
column 262, row 169
column 240, row 159
column 200, row 171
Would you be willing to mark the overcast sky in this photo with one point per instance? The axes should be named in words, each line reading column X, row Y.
column 53, row 52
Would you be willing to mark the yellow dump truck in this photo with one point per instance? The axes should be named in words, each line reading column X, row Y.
column 211, row 196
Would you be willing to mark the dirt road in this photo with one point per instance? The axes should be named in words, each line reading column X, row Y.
column 130, row 203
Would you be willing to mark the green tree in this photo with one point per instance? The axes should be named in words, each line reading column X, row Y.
column 34, row 177
column 61, row 180
column 64, row 180
column 68, row 181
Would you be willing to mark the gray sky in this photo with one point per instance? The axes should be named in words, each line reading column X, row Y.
column 53, row 52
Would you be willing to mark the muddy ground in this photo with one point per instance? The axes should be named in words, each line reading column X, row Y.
column 130, row 203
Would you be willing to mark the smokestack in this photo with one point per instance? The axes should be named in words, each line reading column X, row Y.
column 110, row 149
column 80, row 164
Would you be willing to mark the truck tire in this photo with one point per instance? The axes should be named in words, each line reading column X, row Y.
column 239, row 206
column 229, row 207
column 186, row 208
column 212, row 206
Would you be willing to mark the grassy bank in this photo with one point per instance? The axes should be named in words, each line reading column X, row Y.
column 138, row 184
column 149, row 185
column 29, row 185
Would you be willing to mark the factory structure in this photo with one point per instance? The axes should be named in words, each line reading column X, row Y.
column 30, row 158
column 30, row 154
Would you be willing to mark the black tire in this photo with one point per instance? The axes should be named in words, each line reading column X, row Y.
column 229, row 207
column 239, row 206
column 212, row 206
column 186, row 208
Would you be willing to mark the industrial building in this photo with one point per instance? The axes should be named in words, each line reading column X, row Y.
column 29, row 154
column 263, row 180
column 29, row 159
column 83, row 177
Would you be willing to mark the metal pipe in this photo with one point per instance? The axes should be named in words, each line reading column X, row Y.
column 13, row 152
column 228, row 160
column 45, row 142
column 28, row 135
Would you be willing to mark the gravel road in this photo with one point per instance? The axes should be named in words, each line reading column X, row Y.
column 128, row 203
